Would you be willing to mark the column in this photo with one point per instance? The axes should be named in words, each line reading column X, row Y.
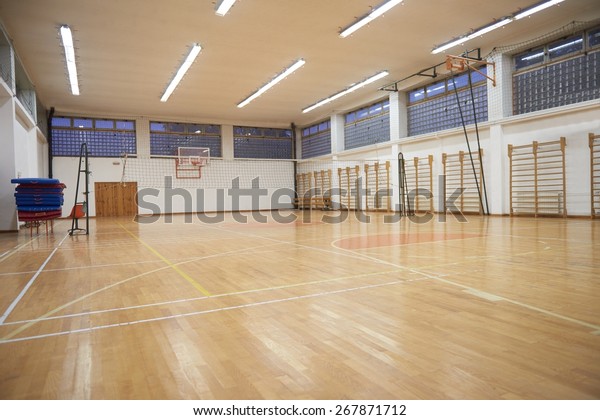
column 500, row 96
column 398, row 116
column 227, row 141
column 8, row 214
column 337, row 133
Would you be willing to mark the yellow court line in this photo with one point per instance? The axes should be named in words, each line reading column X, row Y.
column 95, row 292
column 169, row 263
column 194, row 299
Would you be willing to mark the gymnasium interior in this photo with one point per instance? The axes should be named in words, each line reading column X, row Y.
column 299, row 200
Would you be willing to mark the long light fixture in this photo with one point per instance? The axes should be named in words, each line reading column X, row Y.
column 488, row 28
column 375, row 13
column 272, row 83
column 537, row 8
column 224, row 7
column 181, row 72
column 347, row 91
column 472, row 35
column 67, row 41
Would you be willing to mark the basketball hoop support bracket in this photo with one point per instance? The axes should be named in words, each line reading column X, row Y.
column 454, row 62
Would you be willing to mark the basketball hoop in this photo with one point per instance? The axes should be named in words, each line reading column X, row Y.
column 189, row 162
column 198, row 161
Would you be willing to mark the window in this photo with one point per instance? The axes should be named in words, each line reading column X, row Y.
column 436, row 89
column 105, row 124
column 368, row 111
column 125, row 125
column 594, row 38
column 262, row 143
column 316, row 140
column 459, row 81
column 61, row 122
column 529, row 58
column 416, row 95
column 434, row 107
column 367, row 125
column 559, row 73
column 167, row 137
column 565, row 47
column 104, row 137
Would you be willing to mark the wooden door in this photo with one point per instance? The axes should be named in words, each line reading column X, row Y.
column 116, row 198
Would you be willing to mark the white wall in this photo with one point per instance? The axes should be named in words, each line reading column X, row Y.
column 24, row 155
column 102, row 170
column 28, row 152
column 573, row 122
column 8, row 212
column 151, row 176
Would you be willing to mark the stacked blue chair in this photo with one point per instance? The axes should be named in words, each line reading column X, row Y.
column 39, row 200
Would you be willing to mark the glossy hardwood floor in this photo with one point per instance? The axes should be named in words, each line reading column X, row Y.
column 489, row 309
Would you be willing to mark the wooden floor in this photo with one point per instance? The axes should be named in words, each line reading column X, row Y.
column 489, row 309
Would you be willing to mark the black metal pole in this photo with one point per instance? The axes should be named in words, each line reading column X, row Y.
column 50, row 117
column 293, row 128
column 87, row 191
column 83, row 158
column 487, row 208
column 403, row 187
column 462, row 119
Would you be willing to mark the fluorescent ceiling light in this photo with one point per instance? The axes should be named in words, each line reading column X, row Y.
column 347, row 91
column 272, row 83
column 537, row 8
column 449, row 45
column 370, row 17
column 499, row 24
column 489, row 28
column 472, row 35
column 67, row 41
column 224, row 7
column 181, row 72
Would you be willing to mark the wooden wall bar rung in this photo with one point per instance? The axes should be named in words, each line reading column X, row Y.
column 594, row 142
column 377, row 185
column 419, row 177
column 347, row 181
column 538, row 179
column 320, row 197
column 459, row 175
column 301, row 190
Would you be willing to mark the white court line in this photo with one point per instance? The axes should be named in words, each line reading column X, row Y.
column 86, row 267
column 79, row 299
column 489, row 296
column 298, row 244
column 204, row 312
column 472, row 290
column 194, row 299
column 30, row 283
column 16, row 249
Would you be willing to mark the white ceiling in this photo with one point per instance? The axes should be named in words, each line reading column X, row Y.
column 128, row 51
